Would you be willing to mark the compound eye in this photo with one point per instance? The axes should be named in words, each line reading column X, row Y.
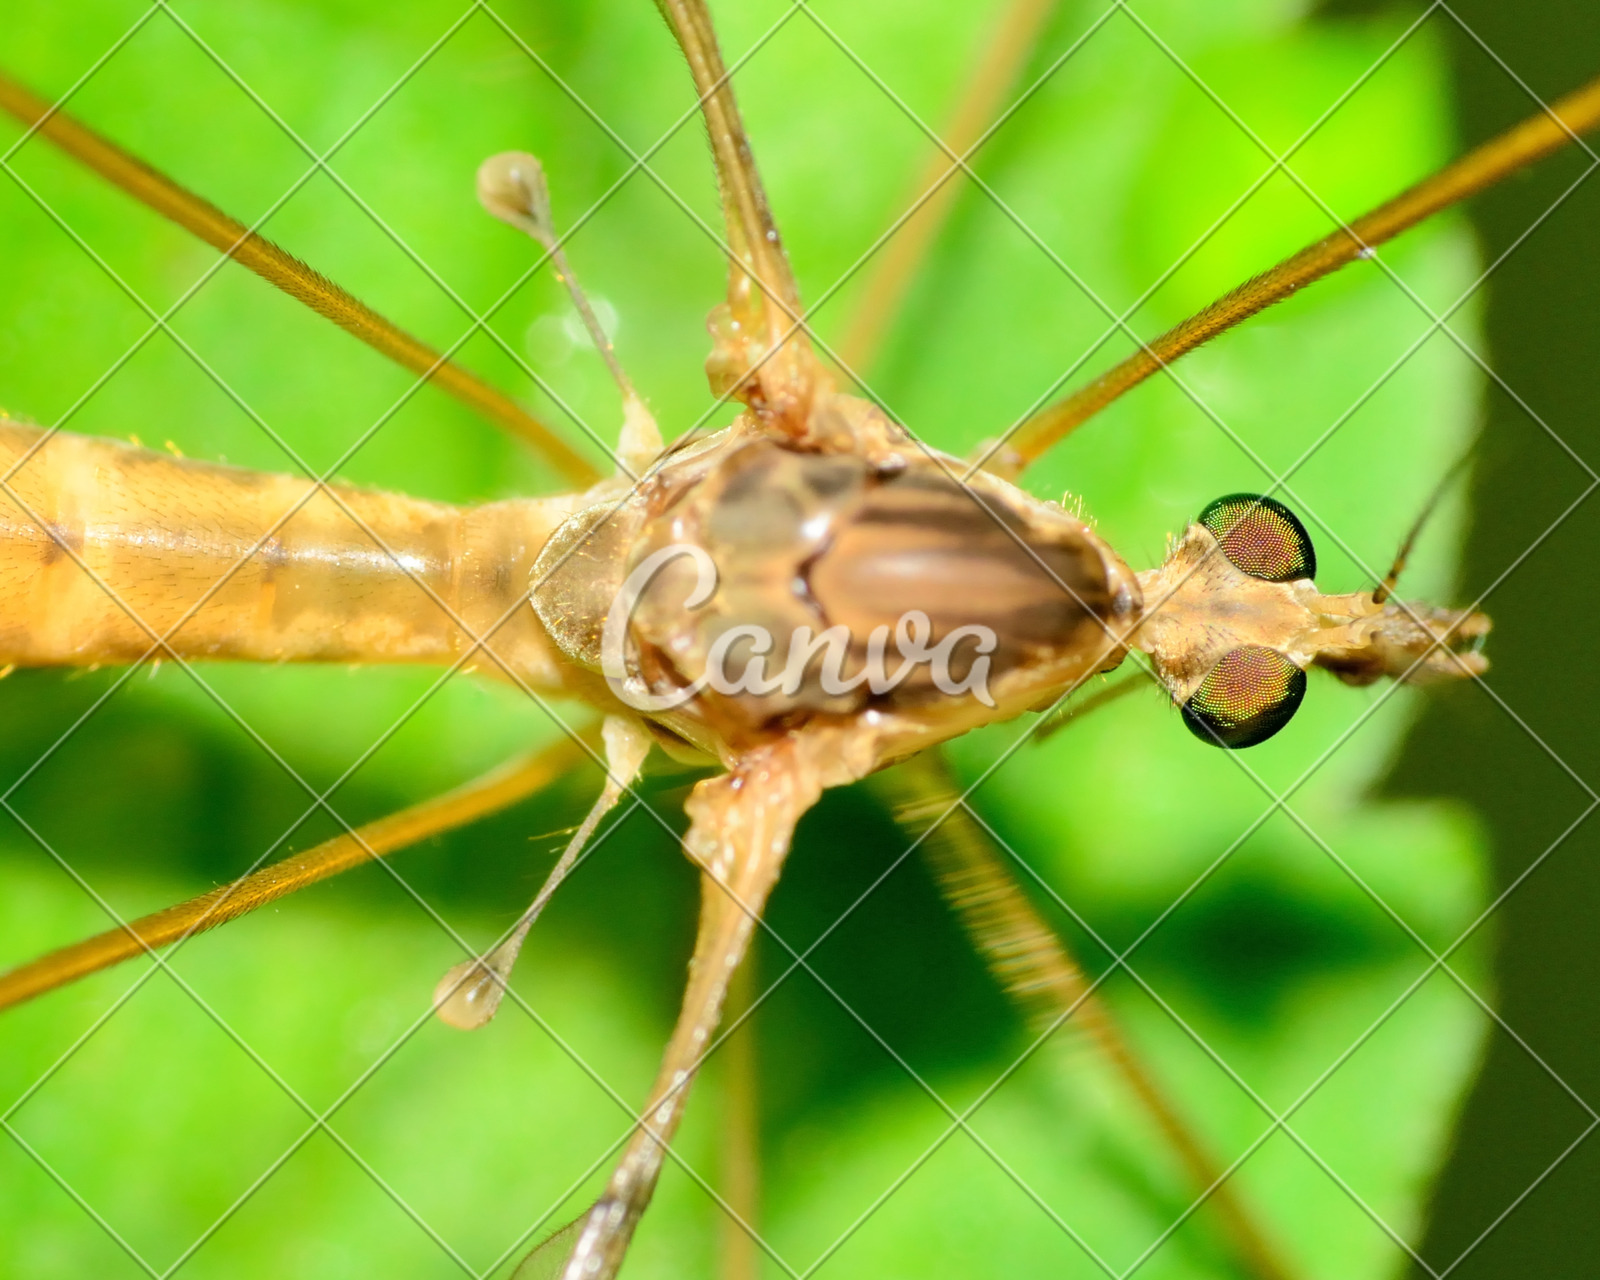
column 1261, row 537
column 1246, row 698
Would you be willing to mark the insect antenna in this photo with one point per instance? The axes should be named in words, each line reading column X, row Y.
column 1386, row 587
column 1522, row 144
column 1032, row 963
column 282, row 269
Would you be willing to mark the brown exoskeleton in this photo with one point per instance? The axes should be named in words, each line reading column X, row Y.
column 815, row 510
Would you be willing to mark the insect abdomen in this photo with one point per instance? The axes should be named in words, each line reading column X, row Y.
column 106, row 548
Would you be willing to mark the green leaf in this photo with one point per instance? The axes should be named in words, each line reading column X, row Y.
column 1281, row 979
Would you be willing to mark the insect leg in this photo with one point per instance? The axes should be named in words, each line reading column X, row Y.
column 752, row 358
column 1029, row 959
column 1072, row 712
column 496, row 790
column 740, row 1149
column 301, row 282
column 741, row 824
column 933, row 194
column 1533, row 139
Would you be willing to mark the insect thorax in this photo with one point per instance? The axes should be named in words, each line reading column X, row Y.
column 829, row 575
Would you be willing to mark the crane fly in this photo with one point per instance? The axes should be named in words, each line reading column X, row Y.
column 1184, row 1163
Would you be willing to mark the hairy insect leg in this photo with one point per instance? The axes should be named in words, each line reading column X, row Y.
column 470, row 993
column 741, row 824
column 1542, row 133
column 496, row 790
column 304, row 284
column 759, row 354
column 1031, row 961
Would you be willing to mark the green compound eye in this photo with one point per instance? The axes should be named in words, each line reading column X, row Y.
column 1246, row 698
column 1261, row 537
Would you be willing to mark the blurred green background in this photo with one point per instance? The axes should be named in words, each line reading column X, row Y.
column 185, row 1129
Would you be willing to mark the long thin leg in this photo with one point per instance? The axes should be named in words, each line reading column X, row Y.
column 741, row 1149
column 763, row 301
column 1032, row 963
column 741, row 824
column 494, row 791
column 304, row 284
column 884, row 293
column 1533, row 139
